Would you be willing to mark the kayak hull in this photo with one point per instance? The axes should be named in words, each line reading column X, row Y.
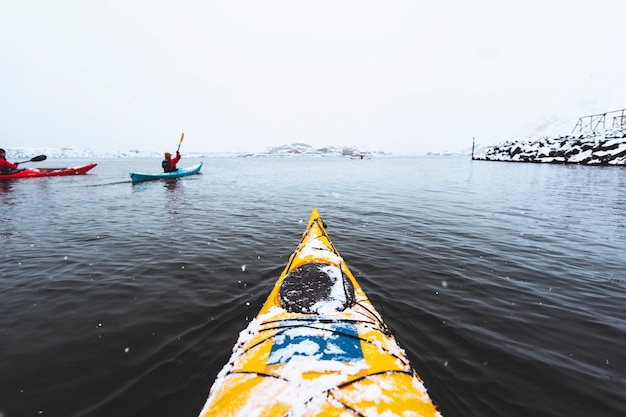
column 182, row 172
column 317, row 347
column 49, row 172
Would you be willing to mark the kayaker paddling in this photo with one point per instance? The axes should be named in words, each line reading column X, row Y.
column 180, row 172
column 169, row 163
column 6, row 167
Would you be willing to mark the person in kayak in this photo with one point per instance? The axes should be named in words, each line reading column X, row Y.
column 169, row 163
column 6, row 167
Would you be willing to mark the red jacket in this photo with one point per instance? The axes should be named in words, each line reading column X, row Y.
column 174, row 160
column 6, row 166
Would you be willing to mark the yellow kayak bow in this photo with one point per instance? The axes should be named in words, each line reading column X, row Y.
column 318, row 347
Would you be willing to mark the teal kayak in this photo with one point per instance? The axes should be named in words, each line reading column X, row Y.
column 182, row 172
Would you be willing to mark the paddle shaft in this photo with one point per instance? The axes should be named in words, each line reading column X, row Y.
column 180, row 141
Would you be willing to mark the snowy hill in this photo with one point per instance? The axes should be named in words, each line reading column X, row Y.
column 303, row 149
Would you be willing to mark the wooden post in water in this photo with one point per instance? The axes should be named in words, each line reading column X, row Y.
column 473, row 140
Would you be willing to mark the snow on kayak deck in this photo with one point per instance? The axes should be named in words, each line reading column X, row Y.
column 296, row 389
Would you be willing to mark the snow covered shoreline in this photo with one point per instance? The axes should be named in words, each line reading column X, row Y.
column 606, row 147
column 290, row 150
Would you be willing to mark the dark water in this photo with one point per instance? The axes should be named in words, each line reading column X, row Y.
column 505, row 283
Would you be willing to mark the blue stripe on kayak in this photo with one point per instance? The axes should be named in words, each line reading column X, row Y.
column 336, row 342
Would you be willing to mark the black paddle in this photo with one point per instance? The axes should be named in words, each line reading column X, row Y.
column 37, row 158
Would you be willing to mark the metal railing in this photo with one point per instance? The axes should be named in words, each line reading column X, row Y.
column 598, row 121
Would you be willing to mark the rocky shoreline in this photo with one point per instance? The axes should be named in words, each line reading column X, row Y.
column 606, row 147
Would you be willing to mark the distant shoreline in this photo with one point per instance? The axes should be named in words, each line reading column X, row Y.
column 290, row 150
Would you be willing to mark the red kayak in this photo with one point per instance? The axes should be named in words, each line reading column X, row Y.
column 48, row 172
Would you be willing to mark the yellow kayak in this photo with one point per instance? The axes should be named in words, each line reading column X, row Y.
column 318, row 347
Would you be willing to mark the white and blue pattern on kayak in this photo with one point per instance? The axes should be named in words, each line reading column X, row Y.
column 334, row 341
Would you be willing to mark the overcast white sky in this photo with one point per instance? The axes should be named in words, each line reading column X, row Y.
column 400, row 76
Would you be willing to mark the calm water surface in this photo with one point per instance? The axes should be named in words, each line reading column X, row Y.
column 505, row 283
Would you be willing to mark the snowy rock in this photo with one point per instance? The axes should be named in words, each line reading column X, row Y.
column 606, row 147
